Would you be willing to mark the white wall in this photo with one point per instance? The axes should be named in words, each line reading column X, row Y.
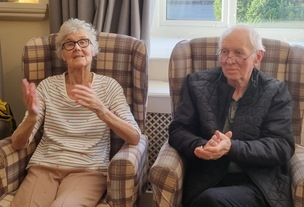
column 13, row 36
column 1, row 78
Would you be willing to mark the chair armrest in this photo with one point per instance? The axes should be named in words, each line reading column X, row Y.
column 13, row 165
column 166, row 177
column 128, row 174
column 297, row 174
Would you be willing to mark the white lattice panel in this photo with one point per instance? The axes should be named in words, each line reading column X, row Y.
column 157, row 131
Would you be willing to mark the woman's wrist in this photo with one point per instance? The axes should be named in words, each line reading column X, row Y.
column 32, row 118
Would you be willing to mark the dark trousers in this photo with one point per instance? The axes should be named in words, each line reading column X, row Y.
column 235, row 190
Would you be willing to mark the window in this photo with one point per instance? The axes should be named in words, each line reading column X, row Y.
column 190, row 10
column 23, row 1
column 278, row 19
column 23, row 10
column 28, row 1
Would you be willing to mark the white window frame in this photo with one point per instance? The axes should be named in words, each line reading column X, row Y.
column 162, row 28
column 225, row 21
column 13, row 10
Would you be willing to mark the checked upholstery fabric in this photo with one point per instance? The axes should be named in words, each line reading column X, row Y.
column 125, row 59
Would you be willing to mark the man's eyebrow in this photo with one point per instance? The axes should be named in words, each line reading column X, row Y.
column 239, row 49
column 235, row 49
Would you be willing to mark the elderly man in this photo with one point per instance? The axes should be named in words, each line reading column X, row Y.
column 233, row 128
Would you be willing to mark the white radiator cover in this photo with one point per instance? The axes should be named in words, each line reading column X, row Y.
column 157, row 132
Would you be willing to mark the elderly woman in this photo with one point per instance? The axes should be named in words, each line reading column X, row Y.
column 233, row 128
column 78, row 109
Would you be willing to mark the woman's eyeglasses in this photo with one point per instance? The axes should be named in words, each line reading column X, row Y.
column 70, row 45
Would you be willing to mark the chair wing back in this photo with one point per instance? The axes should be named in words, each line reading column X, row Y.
column 294, row 76
column 281, row 60
column 121, row 57
column 189, row 56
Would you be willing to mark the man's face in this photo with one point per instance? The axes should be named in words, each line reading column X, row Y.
column 237, row 56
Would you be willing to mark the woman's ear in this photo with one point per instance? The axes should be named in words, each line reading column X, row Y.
column 62, row 57
column 93, row 52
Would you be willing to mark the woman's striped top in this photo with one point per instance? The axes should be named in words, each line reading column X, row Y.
column 73, row 135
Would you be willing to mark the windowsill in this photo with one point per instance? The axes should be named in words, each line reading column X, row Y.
column 22, row 11
column 161, row 47
column 159, row 97
column 158, row 88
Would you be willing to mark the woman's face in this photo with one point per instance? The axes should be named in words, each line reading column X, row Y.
column 77, row 50
column 237, row 57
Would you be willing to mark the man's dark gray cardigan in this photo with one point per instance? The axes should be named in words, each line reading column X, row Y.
column 262, row 141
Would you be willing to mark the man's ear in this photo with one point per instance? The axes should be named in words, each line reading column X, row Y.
column 258, row 59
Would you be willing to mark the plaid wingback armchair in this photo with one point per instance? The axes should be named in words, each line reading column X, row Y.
column 125, row 59
column 281, row 60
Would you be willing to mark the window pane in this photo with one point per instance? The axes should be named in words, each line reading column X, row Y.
column 202, row 10
column 269, row 13
column 278, row 19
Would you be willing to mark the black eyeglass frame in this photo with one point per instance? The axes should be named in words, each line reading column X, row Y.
column 87, row 41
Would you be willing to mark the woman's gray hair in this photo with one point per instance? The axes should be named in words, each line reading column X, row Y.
column 254, row 37
column 72, row 26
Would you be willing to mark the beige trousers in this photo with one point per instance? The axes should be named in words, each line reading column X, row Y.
column 54, row 187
